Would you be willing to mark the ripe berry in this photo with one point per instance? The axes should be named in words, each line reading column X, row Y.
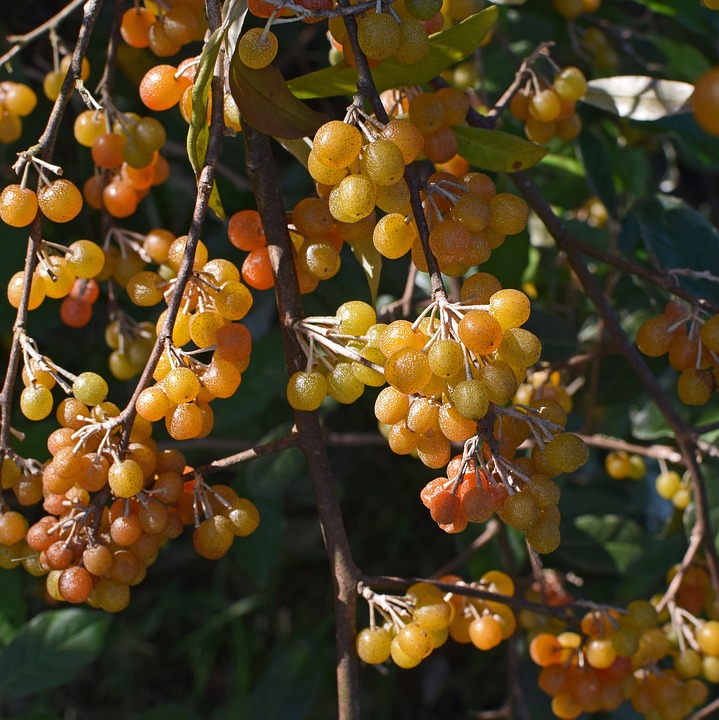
column 257, row 48
column 373, row 645
column 59, row 200
column 125, row 478
column 337, row 144
column 18, row 205
column 705, row 101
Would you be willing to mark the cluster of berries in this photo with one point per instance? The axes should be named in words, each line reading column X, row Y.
column 89, row 551
column 58, row 200
column 128, row 149
column 550, row 110
column 16, row 101
column 421, row 620
column 692, row 346
column 213, row 300
column 164, row 27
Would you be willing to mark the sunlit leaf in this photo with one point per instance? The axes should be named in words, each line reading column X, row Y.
column 199, row 132
column 266, row 103
column 445, row 49
column 497, row 151
column 639, row 97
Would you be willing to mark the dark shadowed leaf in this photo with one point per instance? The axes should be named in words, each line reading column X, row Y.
column 603, row 543
column 679, row 237
column 50, row 650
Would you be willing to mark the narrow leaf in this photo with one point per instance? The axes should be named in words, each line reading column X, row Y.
column 496, row 150
column 639, row 97
column 446, row 48
column 266, row 103
column 371, row 262
column 50, row 650
column 199, row 132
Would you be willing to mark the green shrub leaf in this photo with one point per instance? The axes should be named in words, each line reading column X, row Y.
column 50, row 650
column 266, row 103
column 446, row 48
column 497, row 151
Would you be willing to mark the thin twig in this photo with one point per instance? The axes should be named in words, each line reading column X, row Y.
column 20, row 41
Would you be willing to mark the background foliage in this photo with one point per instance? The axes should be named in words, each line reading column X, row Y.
column 252, row 635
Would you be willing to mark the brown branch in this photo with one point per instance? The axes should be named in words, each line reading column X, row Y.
column 44, row 149
column 345, row 574
column 283, row 443
column 707, row 711
column 657, row 452
column 390, row 582
column 683, row 433
column 46, row 143
column 18, row 331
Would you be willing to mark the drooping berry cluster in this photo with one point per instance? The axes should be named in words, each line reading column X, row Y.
column 692, row 345
column 56, row 276
column 212, row 302
column 621, row 465
column 58, row 200
column 127, row 147
column 421, row 620
column 400, row 32
column 92, row 553
column 17, row 101
column 166, row 27
column 549, row 110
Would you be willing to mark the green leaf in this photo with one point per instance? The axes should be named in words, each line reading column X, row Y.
column 266, row 103
column 199, row 132
column 371, row 261
column 639, row 97
column 598, row 157
column 682, row 59
column 496, row 150
column 287, row 688
column 605, row 544
column 689, row 14
column 13, row 606
column 446, row 48
column 678, row 236
column 50, row 650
